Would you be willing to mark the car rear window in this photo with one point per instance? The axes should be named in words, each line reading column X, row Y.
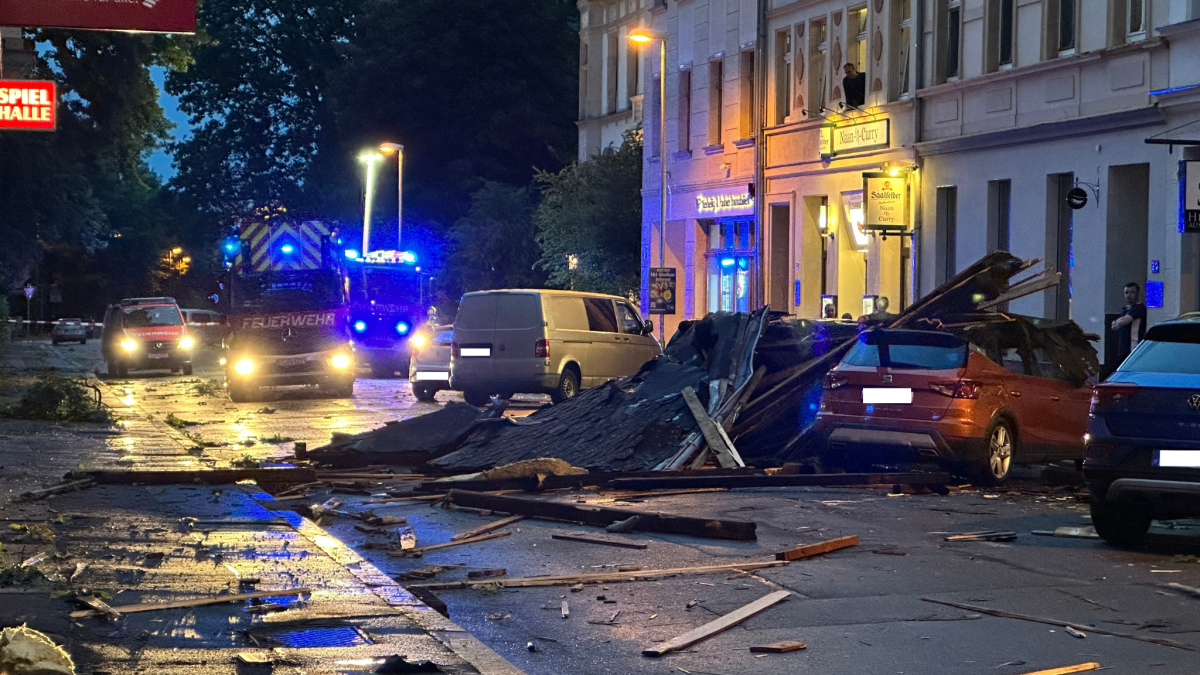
column 1166, row 349
column 914, row 350
column 516, row 311
column 476, row 312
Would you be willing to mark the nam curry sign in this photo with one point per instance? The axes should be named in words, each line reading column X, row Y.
column 855, row 137
column 29, row 105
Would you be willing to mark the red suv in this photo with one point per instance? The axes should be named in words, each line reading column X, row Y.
column 1016, row 394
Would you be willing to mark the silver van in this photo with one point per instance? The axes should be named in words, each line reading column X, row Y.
column 545, row 342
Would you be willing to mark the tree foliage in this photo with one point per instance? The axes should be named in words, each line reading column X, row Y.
column 590, row 221
column 494, row 245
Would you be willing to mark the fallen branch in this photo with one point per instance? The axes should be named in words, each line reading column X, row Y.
column 602, row 577
column 819, row 548
column 195, row 602
column 719, row 625
column 1058, row 622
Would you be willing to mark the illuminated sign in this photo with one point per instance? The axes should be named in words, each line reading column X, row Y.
column 886, row 200
column 726, row 204
column 1189, row 197
column 155, row 16
column 855, row 137
column 29, row 105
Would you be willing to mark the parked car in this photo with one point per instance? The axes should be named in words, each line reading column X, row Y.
column 69, row 330
column 1143, row 442
column 429, row 367
column 146, row 334
column 544, row 341
column 974, row 403
column 204, row 325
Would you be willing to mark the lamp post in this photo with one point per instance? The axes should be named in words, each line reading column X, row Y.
column 368, row 158
column 644, row 36
column 387, row 149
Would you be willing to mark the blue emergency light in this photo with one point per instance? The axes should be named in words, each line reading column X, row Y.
column 232, row 245
column 287, row 249
column 352, row 254
column 360, row 326
column 402, row 328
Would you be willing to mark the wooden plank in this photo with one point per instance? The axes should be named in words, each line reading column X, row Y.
column 460, row 542
column 98, row 605
column 202, row 476
column 603, row 577
column 819, row 548
column 1065, row 670
column 719, row 625
column 798, row 480
column 55, row 490
column 490, row 527
column 530, row 483
column 725, row 452
column 195, row 602
column 603, row 542
column 395, row 500
column 737, row 530
column 663, row 493
column 781, row 647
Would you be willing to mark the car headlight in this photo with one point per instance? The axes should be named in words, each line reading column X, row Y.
column 244, row 367
column 417, row 341
column 340, row 361
column 222, row 361
column 129, row 345
column 186, row 342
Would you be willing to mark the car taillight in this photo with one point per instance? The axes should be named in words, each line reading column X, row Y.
column 541, row 349
column 1098, row 451
column 1108, row 394
column 956, row 388
column 834, row 381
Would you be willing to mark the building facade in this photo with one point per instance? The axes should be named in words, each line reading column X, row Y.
column 611, row 72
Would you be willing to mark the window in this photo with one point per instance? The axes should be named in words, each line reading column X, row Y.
column 918, row 351
column 601, row 317
column 685, row 111
column 716, row 100
column 901, row 61
column 1001, row 20
column 783, row 75
column 950, row 49
column 583, row 80
column 1135, row 20
column 610, row 75
column 628, row 319
column 818, row 83
column 858, row 38
column 633, row 74
column 746, row 120
column 655, row 128
column 731, row 258
column 947, row 232
column 999, row 215
column 1062, row 24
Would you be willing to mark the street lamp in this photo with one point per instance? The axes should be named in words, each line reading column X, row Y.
column 387, row 149
column 645, row 36
column 370, row 159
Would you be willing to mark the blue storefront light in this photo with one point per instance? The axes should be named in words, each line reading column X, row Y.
column 360, row 326
column 402, row 328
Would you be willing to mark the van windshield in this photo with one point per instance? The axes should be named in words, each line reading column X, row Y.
column 143, row 317
column 916, row 350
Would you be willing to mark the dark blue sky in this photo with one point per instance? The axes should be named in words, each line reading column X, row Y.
column 160, row 161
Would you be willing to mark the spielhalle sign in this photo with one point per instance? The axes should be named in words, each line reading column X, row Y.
column 28, row 105
column 155, row 16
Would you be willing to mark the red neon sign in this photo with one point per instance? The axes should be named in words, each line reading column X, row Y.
column 27, row 104
column 156, row 16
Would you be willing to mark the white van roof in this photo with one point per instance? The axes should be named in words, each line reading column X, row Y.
column 548, row 291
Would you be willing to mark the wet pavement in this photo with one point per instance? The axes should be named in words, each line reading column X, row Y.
column 859, row 610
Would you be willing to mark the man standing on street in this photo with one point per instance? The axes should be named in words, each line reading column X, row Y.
column 1130, row 327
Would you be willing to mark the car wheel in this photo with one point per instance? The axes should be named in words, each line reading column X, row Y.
column 1123, row 525
column 568, row 387
column 999, row 445
column 187, row 369
column 424, row 392
column 477, row 397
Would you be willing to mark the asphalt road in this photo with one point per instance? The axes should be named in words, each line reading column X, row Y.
column 859, row 610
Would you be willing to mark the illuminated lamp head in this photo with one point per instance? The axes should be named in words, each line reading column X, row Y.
column 402, row 327
column 360, row 326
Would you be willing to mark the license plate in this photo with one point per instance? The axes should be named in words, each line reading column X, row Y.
column 1182, row 459
column 443, row 377
column 286, row 363
column 161, row 355
column 467, row 352
column 887, row 395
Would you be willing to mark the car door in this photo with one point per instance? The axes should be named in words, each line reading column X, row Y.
column 518, row 329
column 1065, row 408
column 1025, row 400
column 606, row 348
column 570, row 339
column 638, row 347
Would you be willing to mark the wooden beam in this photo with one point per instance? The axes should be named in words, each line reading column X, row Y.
column 719, row 625
column 1065, row 670
column 603, row 542
column 203, row 476
column 738, row 530
column 490, row 527
column 195, row 602
column 668, row 482
column 713, row 434
column 819, row 548
column 601, row 577
column 781, row 647
column 460, row 542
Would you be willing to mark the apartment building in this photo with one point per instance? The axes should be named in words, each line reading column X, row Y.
column 611, row 72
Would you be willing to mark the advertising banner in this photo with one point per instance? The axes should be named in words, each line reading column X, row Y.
column 28, row 104
column 662, row 290
column 885, row 201
column 1189, row 197
column 155, row 16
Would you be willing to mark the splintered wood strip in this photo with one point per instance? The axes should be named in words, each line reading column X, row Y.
column 490, row 527
column 195, row 602
column 393, row 500
column 460, row 542
column 604, row 542
column 810, row 550
column 604, row 577
column 719, row 625
column 1077, row 668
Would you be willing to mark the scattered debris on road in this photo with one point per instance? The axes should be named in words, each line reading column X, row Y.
column 781, row 647
column 718, row 625
column 820, row 548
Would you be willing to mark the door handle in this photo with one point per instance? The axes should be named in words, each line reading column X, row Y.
column 1015, row 393
column 1055, row 398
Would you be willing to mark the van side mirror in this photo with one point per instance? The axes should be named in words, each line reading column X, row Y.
column 648, row 328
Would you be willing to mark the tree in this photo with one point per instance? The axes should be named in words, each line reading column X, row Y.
column 590, row 221
column 494, row 245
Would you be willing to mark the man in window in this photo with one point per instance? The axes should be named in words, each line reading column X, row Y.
column 1130, row 327
column 855, row 86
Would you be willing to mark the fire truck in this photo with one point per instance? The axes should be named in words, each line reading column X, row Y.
column 288, row 309
column 388, row 302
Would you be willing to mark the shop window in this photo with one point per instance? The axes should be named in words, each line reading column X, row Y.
column 731, row 261
column 901, row 51
column 1001, row 19
column 716, row 89
column 818, row 83
column 783, row 76
column 999, row 214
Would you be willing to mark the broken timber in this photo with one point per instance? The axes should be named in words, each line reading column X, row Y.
column 55, row 490
column 599, row 577
column 490, row 527
column 603, row 542
column 781, row 647
column 819, row 548
column 195, row 602
column 738, row 530
column 204, row 476
column 714, row 434
column 1065, row 670
column 553, row 482
column 794, row 480
column 460, row 542
column 718, row 625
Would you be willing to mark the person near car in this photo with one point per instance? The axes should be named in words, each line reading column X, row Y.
column 1130, row 327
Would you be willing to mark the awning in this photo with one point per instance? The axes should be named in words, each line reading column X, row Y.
column 1187, row 134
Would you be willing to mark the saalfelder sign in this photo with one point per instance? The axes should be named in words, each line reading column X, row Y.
column 156, row 16
column 855, row 137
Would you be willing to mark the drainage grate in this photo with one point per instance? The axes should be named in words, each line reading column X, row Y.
column 346, row 636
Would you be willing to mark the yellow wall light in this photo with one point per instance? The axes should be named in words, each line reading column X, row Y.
column 244, row 367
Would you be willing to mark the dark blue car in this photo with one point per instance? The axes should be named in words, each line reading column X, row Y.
column 1143, row 444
